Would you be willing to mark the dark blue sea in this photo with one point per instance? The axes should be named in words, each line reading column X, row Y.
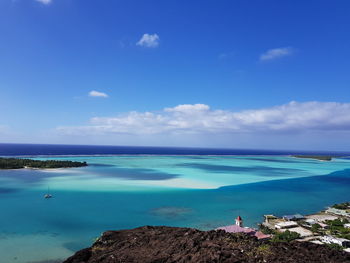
column 52, row 149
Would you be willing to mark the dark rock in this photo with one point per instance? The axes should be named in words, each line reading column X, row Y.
column 170, row 244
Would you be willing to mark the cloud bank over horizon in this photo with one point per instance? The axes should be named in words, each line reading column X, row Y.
column 293, row 117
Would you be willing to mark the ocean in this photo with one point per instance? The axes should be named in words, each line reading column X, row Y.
column 127, row 187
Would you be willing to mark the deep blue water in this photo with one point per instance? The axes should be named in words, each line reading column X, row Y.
column 52, row 149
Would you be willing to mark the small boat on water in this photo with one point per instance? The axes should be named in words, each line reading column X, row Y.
column 48, row 195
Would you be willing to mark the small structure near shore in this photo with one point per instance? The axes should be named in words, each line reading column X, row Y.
column 286, row 225
column 321, row 217
column 293, row 217
column 337, row 212
column 238, row 228
column 334, row 240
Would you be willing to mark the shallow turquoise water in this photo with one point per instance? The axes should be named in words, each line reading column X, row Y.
column 118, row 192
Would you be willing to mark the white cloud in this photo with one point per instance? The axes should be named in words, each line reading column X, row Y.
column 45, row 2
column 276, row 53
column 95, row 93
column 293, row 117
column 148, row 40
column 188, row 108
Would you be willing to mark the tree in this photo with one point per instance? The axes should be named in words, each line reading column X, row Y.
column 315, row 228
column 285, row 236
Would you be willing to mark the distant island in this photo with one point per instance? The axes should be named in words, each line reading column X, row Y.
column 16, row 163
column 317, row 157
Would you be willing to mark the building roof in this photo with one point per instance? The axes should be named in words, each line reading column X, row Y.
column 291, row 217
column 343, row 239
column 336, row 238
column 247, row 230
column 310, row 221
column 286, row 224
column 236, row 229
column 336, row 211
column 261, row 235
column 322, row 217
column 322, row 224
column 239, row 218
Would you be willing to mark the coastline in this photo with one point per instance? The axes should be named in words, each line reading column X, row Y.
column 121, row 244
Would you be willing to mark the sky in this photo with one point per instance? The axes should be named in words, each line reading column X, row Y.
column 202, row 73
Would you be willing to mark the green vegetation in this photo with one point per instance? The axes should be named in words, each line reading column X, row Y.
column 335, row 247
column 343, row 206
column 336, row 228
column 16, row 163
column 266, row 230
column 317, row 157
column 335, row 223
column 315, row 228
column 286, row 236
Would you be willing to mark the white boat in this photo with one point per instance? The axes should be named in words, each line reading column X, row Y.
column 48, row 195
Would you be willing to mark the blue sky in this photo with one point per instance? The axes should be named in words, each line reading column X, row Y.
column 248, row 74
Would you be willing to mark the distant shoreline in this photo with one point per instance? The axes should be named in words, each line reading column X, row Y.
column 316, row 157
column 19, row 163
column 161, row 154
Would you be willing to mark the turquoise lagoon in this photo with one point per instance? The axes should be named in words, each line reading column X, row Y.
column 127, row 191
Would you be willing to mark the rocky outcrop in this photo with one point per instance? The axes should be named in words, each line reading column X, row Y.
column 171, row 244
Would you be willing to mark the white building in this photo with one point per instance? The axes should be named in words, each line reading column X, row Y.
column 334, row 240
column 322, row 217
column 285, row 225
column 339, row 212
column 311, row 221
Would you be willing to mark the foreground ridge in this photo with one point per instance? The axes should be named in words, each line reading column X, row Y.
column 172, row 244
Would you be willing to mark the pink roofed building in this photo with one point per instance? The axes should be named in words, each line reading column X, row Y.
column 238, row 228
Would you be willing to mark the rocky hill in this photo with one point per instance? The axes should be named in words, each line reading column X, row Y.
column 170, row 244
